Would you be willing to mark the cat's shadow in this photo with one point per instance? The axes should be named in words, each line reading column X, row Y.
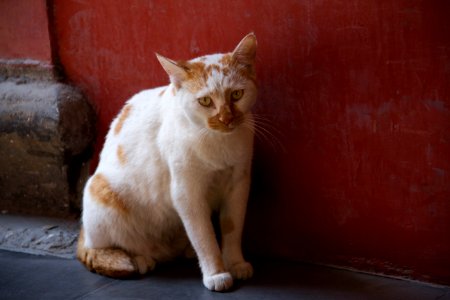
column 178, row 269
column 184, row 271
column 271, row 276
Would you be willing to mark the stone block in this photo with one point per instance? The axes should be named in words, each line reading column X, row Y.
column 46, row 134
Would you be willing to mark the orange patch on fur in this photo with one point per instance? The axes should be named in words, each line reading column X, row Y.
column 110, row 262
column 227, row 226
column 195, row 68
column 197, row 73
column 211, row 68
column 101, row 191
column 196, row 76
column 81, row 250
column 226, row 60
column 226, row 71
column 121, row 155
column 122, row 117
column 162, row 93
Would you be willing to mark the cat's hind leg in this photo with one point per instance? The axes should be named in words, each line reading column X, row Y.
column 98, row 249
column 111, row 262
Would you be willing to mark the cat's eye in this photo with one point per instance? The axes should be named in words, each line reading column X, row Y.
column 236, row 95
column 205, row 101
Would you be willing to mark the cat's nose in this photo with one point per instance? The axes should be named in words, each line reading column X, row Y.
column 226, row 119
column 225, row 115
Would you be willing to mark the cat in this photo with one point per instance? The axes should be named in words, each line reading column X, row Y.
column 172, row 157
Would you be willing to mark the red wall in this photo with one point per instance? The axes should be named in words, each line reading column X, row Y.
column 356, row 95
column 24, row 30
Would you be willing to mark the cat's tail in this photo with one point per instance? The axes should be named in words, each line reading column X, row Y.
column 111, row 262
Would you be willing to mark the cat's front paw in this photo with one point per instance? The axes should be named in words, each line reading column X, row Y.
column 218, row 282
column 242, row 270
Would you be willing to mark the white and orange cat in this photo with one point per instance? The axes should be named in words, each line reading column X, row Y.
column 173, row 156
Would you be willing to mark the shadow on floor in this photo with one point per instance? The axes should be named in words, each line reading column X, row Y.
column 25, row 276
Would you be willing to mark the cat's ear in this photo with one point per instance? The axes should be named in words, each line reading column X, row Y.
column 245, row 52
column 177, row 73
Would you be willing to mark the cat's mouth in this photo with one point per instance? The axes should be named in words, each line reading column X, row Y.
column 227, row 119
column 225, row 125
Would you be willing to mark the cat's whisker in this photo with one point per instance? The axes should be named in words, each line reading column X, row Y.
column 203, row 135
column 249, row 124
column 266, row 136
column 264, row 123
column 268, row 123
column 263, row 132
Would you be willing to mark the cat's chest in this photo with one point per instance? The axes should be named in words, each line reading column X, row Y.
column 182, row 142
column 219, row 187
column 223, row 155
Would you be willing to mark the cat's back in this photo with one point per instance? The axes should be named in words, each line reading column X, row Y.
column 142, row 110
column 132, row 133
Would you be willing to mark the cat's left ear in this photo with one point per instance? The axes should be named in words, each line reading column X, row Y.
column 177, row 73
column 245, row 52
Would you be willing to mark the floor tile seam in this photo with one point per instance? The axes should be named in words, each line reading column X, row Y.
column 445, row 288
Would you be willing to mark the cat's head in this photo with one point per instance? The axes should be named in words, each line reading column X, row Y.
column 216, row 91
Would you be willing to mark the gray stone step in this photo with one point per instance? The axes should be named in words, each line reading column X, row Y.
column 47, row 130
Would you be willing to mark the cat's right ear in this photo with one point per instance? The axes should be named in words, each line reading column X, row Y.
column 177, row 73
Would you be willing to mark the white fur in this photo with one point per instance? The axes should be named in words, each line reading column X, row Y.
column 177, row 172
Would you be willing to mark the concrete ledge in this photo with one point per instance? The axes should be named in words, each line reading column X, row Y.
column 46, row 135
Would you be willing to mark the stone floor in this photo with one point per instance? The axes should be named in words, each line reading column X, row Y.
column 31, row 276
column 39, row 235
